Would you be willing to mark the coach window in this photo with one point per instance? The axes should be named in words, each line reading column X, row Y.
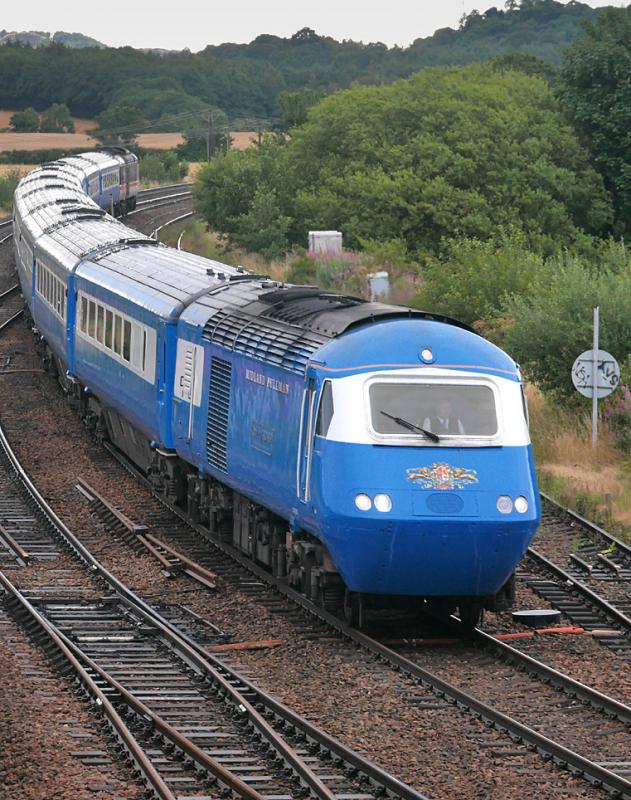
column 92, row 319
column 100, row 324
column 109, row 320
column 127, row 341
column 84, row 314
column 118, row 335
column 144, row 349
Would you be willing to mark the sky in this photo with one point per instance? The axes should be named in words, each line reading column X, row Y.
column 194, row 24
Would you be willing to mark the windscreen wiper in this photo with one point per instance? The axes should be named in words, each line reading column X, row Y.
column 411, row 427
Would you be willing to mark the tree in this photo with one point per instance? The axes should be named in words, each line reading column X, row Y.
column 25, row 121
column 305, row 35
column 120, row 124
column 245, row 80
column 449, row 153
column 565, row 294
column 162, row 167
column 596, row 90
column 472, row 280
column 263, row 229
column 57, row 118
column 225, row 191
column 293, row 106
column 522, row 62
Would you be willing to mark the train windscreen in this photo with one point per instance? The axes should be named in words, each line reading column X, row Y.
column 401, row 409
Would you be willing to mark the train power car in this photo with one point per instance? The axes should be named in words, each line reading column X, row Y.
column 367, row 454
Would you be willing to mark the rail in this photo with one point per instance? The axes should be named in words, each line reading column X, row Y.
column 156, row 232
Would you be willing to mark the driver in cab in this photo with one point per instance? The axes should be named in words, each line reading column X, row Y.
column 442, row 421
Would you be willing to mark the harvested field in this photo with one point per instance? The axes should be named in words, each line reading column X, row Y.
column 241, row 140
column 66, row 141
column 44, row 141
column 160, row 141
column 5, row 169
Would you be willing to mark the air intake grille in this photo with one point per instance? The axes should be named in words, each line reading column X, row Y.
column 282, row 345
column 218, row 410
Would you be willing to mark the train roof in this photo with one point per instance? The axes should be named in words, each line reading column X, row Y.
column 162, row 280
column 413, row 343
column 285, row 324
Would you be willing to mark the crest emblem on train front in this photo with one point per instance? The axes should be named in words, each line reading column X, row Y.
column 442, row 476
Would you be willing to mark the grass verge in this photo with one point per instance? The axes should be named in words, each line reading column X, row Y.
column 594, row 482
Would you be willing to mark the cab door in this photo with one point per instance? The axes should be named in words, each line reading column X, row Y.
column 305, row 449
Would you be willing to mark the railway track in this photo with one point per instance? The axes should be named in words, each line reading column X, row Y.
column 5, row 225
column 185, row 186
column 191, row 724
column 11, row 305
column 583, row 571
column 525, row 699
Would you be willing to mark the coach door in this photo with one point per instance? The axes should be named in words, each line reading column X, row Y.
column 303, row 471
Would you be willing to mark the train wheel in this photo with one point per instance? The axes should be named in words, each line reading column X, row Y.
column 470, row 614
column 353, row 608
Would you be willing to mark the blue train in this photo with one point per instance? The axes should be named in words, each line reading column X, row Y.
column 367, row 454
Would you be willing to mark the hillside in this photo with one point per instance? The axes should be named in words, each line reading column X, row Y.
column 44, row 39
column 542, row 28
column 244, row 80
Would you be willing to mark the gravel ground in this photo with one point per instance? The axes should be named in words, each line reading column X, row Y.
column 41, row 724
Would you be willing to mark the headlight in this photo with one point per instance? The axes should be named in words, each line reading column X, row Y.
column 383, row 503
column 504, row 504
column 363, row 502
column 521, row 505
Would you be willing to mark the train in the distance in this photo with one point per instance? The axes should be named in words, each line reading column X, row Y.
column 367, row 454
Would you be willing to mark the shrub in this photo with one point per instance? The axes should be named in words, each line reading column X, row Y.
column 7, row 187
column 303, row 269
column 471, row 280
column 162, row 167
column 551, row 324
column 263, row 229
column 25, row 121
column 616, row 412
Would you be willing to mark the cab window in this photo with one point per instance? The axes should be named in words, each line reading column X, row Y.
column 325, row 410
